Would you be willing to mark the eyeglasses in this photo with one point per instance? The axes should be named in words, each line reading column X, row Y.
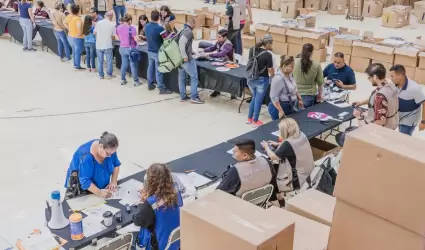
column 107, row 153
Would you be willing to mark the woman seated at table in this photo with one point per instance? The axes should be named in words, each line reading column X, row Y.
column 41, row 10
column 223, row 48
column 94, row 168
column 143, row 20
column 166, row 16
column 159, row 210
column 10, row 5
column 283, row 90
column 294, row 155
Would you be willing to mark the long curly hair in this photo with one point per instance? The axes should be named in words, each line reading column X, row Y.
column 160, row 183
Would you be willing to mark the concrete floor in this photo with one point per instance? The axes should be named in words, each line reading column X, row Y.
column 47, row 110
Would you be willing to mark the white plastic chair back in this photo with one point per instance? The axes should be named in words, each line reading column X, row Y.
column 259, row 196
column 174, row 236
column 122, row 242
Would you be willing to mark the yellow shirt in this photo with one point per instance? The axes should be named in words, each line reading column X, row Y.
column 75, row 25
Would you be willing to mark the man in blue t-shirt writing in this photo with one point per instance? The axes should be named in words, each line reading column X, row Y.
column 340, row 73
column 154, row 34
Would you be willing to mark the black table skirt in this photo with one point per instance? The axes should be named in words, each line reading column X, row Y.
column 48, row 37
column 15, row 29
column 3, row 24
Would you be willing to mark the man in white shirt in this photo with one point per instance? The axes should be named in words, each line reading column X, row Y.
column 105, row 32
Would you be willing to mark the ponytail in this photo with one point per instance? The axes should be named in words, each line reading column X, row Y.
column 306, row 53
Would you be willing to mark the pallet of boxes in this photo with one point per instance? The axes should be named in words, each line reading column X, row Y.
column 141, row 8
column 207, row 22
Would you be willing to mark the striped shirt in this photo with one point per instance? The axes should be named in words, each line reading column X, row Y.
column 410, row 98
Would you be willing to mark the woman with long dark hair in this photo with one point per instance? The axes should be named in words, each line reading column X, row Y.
column 143, row 20
column 41, row 10
column 89, row 43
column 165, row 15
column 308, row 75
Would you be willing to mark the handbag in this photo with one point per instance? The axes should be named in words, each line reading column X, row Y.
column 135, row 55
column 291, row 103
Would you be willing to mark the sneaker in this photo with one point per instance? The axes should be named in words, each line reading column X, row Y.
column 215, row 94
column 165, row 92
column 32, row 49
column 101, row 77
column 80, row 68
column 152, row 87
column 136, row 84
column 249, row 121
column 257, row 123
column 88, row 69
column 25, row 49
column 197, row 100
column 185, row 99
column 110, row 77
column 123, row 82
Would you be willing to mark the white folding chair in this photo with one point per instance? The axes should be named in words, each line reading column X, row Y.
column 174, row 236
column 122, row 242
column 259, row 196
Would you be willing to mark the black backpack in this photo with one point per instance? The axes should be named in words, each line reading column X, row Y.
column 324, row 180
column 252, row 66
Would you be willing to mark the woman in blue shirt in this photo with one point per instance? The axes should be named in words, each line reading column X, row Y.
column 27, row 22
column 89, row 43
column 94, row 168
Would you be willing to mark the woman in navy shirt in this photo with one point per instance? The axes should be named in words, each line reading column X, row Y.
column 27, row 22
column 94, row 168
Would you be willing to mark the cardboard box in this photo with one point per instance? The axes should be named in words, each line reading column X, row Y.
column 419, row 11
column 313, row 205
column 373, row 8
column 383, row 53
column 276, row 4
column 362, row 49
column 410, row 72
column 319, row 55
column 198, row 34
column 179, row 26
column 209, row 33
column 359, row 64
column 306, row 21
column 347, row 59
column 306, row 11
column 265, row 4
column 318, row 40
column 344, row 46
column 383, row 150
column 294, row 36
column 248, row 41
column 421, row 60
column 396, row 16
column 247, row 27
column 387, row 65
column 280, row 48
column 212, row 20
column 180, row 17
column 312, row 4
column 289, row 8
column 278, row 33
column 234, row 224
column 255, row 3
column 401, row 2
column 337, row 7
column 261, row 29
column 406, row 56
column 355, row 229
column 131, row 11
column 355, row 8
column 199, row 19
column 323, row 5
column 321, row 148
column 309, row 234
column 420, row 76
column 294, row 49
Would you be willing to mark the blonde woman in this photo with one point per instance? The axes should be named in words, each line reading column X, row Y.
column 294, row 155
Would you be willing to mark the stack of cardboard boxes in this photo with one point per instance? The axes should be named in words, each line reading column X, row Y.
column 396, row 16
column 370, row 213
column 419, row 11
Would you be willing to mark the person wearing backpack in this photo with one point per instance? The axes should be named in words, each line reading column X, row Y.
column 259, row 68
column 189, row 67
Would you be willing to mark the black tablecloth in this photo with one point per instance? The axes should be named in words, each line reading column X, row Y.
column 15, row 29
column 45, row 29
column 310, row 127
column 214, row 159
column 4, row 18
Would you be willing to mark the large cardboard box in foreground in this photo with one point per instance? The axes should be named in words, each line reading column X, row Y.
column 406, row 56
column 228, row 222
column 359, row 64
column 356, row 229
column 388, row 157
column 383, row 53
column 309, row 234
column 278, row 33
column 421, row 60
column 261, row 29
column 373, row 8
column 362, row 49
column 396, row 16
column 344, row 46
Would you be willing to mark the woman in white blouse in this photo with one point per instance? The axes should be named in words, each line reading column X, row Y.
column 284, row 95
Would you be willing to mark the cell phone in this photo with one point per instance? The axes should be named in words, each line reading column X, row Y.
column 209, row 174
column 127, row 208
column 339, row 101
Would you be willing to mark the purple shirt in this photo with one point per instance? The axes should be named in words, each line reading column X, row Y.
column 123, row 33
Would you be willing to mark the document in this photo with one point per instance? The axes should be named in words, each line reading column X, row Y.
column 92, row 226
column 83, row 202
column 39, row 240
column 128, row 192
column 197, row 179
column 276, row 133
column 97, row 211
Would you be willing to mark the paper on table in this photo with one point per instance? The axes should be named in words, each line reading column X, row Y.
column 97, row 211
column 128, row 192
column 128, row 229
column 258, row 154
column 189, row 187
column 197, row 179
column 276, row 133
column 340, row 105
column 41, row 240
column 91, row 226
column 83, row 202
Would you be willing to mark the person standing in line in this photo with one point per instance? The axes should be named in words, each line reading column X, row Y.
column 27, row 22
column 75, row 36
column 245, row 6
column 127, row 33
column 58, row 18
column 189, row 66
column 95, row 15
column 411, row 99
column 101, row 7
column 105, row 32
column 89, row 43
column 258, row 87
column 154, row 36
column 119, row 9
column 309, row 77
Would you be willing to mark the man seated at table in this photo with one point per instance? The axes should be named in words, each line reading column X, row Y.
column 222, row 49
column 250, row 172
column 340, row 73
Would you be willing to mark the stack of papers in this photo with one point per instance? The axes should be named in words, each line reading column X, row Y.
column 40, row 240
column 83, row 202
column 97, row 211
column 197, row 179
column 92, row 226
column 128, row 192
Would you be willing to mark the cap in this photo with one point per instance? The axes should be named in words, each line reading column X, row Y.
column 267, row 38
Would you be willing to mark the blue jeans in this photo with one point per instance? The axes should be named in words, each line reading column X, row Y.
column 309, row 100
column 27, row 28
column 77, row 45
column 189, row 68
column 153, row 72
column 125, row 61
column 258, row 89
column 119, row 12
column 101, row 53
column 90, row 55
column 274, row 113
column 63, row 44
column 408, row 130
column 239, row 48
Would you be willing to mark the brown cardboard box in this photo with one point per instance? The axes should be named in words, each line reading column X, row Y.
column 179, row 26
column 261, row 29
column 306, row 21
column 248, row 41
column 420, row 76
column 344, row 46
column 318, row 40
column 305, row 11
column 410, row 72
column 421, row 60
column 313, row 205
column 406, row 56
column 255, row 3
column 396, row 16
column 373, row 8
column 355, row 8
column 131, row 11
column 265, row 4
column 276, row 5
column 383, row 150
column 309, row 234
column 402, row 2
column 294, row 36
column 312, row 4
column 140, row 10
column 212, row 20
column 180, row 17
column 355, row 229
column 387, row 65
column 294, row 49
column 383, row 53
column 337, row 7
column 419, row 11
column 347, row 59
column 234, row 224
column 359, row 64
column 321, row 148
column 209, row 33
column 198, row 34
column 280, row 48
column 289, row 8
column 323, row 5
column 278, row 33
column 247, row 27
column 199, row 19
column 362, row 49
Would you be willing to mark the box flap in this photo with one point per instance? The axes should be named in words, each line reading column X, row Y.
column 275, row 29
column 312, row 35
column 383, row 49
column 411, row 52
column 294, row 33
column 342, row 41
column 421, row 54
column 363, row 44
column 262, row 26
